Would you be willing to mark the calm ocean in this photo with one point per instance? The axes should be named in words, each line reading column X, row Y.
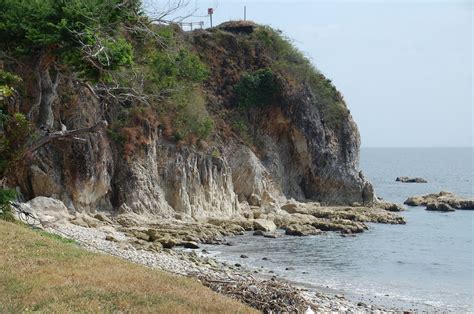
column 427, row 262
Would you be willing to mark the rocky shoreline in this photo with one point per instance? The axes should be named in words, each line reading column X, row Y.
column 150, row 242
column 268, row 295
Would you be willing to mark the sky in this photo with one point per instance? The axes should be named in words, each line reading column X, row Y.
column 404, row 67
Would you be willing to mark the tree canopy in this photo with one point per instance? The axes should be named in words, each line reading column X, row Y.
column 85, row 33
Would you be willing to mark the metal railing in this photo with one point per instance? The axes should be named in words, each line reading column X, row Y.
column 189, row 26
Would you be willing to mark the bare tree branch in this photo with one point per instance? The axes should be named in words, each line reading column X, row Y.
column 63, row 135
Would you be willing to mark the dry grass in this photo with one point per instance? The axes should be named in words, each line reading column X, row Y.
column 39, row 272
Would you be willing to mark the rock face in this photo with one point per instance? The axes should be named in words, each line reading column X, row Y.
column 444, row 201
column 411, row 180
column 295, row 151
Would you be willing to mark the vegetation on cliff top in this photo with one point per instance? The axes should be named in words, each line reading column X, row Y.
column 298, row 71
column 45, row 273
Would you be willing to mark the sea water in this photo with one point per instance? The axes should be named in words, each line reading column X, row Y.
column 426, row 263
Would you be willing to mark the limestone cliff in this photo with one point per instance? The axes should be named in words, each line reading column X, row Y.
column 303, row 144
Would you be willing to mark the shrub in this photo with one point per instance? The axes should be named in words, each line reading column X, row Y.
column 8, row 81
column 6, row 195
column 256, row 89
column 170, row 70
column 191, row 116
column 189, row 67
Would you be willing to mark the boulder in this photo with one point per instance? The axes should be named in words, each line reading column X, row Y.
column 48, row 210
column 290, row 208
column 301, row 230
column 411, row 180
column 141, row 235
column 168, row 242
column 264, row 225
column 259, row 233
column 110, row 238
column 79, row 221
column 86, row 221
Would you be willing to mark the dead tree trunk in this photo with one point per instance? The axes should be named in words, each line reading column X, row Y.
column 48, row 90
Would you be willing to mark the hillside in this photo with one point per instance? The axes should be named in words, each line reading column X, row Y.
column 45, row 273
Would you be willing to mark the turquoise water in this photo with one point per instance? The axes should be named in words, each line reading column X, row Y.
column 427, row 262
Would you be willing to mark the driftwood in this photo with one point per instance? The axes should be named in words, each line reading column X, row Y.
column 268, row 296
column 63, row 135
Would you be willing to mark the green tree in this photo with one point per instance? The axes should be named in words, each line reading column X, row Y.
column 83, row 33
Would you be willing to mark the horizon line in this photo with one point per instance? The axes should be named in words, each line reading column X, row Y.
column 472, row 147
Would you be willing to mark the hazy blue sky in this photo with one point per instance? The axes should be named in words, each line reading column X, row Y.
column 404, row 67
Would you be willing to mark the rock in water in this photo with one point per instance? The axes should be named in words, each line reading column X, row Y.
column 443, row 197
column 301, row 230
column 437, row 206
column 391, row 207
column 191, row 245
column 411, row 180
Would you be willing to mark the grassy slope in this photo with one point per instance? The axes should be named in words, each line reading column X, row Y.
column 39, row 272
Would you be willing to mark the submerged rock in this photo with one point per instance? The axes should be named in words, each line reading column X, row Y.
column 411, row 180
